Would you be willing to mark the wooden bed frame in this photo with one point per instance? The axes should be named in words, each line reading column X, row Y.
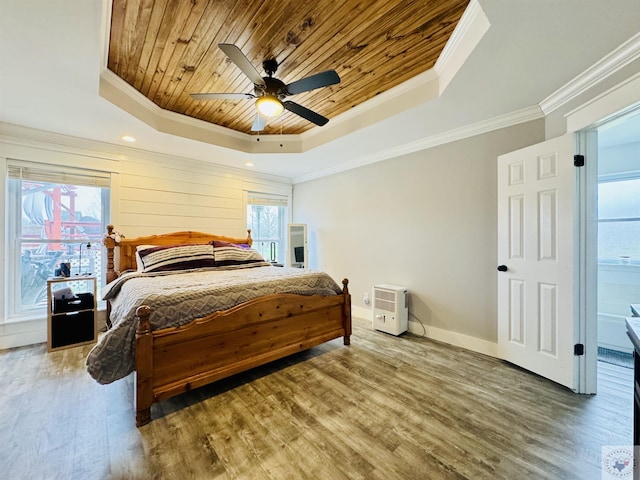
column 175, row 360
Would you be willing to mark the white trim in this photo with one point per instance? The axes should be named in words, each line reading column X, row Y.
column 105, row 31
column 615, row 101
column 585, row 254
column 361, row 312
column 456, row 339
column 14, row 137
column 4, row 275
column 610, row 104
column 605, row 67
column 468, row 32
column 19, row 334
column 496, row 123
column 469, row 17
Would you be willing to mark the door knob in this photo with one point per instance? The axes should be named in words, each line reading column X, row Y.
column 502, row 268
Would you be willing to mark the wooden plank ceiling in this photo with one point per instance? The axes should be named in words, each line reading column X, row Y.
column 167, row 49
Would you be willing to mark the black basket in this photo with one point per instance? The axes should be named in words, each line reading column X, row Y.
column 72, row 328
column 82, row 301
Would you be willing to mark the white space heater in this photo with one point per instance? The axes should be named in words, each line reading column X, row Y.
column 390, row 309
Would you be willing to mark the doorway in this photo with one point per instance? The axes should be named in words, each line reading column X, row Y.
column 618, row 235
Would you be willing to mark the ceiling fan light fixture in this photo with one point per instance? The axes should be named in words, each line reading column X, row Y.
column 269, row 106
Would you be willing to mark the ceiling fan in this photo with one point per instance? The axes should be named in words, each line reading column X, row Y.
column 270, row 92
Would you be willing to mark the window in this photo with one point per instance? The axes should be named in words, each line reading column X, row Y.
column 54, row 215
column 619, row 220
column 267, row 218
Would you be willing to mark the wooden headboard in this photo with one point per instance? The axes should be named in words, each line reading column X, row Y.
column 127, row 246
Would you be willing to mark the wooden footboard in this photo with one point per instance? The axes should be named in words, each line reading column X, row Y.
column 174, row 360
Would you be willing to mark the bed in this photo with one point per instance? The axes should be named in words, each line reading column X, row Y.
column 271, row 312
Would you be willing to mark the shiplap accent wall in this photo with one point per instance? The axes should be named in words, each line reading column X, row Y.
column 150, row 194
column 165, row 196
column 162, row 198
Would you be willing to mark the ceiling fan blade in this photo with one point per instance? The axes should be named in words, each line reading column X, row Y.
column 242, row 62
column 259, row 123
column 305, row 113
column 319, row 80
column 222, row 96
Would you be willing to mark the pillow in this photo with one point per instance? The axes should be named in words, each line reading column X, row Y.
column 236, row 255
column 163, row 258
column 139, row 264
column 222, row 243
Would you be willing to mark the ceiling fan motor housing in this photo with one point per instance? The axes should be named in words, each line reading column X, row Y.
column 270, row 66
column 272, row 86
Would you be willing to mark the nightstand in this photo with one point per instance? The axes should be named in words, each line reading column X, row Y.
column 71, row 311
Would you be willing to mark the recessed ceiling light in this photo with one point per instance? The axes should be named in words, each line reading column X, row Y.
column 249, row 164
column 128, row 138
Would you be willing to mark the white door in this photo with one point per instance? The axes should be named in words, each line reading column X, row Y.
column 536, row 195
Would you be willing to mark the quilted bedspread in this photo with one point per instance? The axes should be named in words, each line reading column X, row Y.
column 177, row 298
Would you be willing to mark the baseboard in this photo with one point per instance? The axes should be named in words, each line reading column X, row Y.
column 20, row 334
column 467, row 342
column 456, row 339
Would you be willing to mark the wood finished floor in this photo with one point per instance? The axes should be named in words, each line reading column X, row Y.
column 383, row 408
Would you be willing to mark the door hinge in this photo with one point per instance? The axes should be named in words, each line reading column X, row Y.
column 578, row 349
column 578, row 160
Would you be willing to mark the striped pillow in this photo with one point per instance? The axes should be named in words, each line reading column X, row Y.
column 236, row 256
column 165, row 258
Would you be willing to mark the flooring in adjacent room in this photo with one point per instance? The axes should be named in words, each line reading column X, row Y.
column 383, row 408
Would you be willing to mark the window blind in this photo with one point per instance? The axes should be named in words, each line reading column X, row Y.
column 35, row 172
column 266, row 199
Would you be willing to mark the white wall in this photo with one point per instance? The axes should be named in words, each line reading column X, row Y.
column 150, row 194
column 426, row 221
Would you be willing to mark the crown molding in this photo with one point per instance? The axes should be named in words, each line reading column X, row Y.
column 21, row 136
column 599, row 71
column 613, row 102
column 495, row 123
column 468, row 32
column 11, row 134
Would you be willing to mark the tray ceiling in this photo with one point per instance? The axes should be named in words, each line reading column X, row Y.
column 169, row 49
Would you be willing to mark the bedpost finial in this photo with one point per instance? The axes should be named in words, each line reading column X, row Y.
column 143, row 313
column 345, row 283
column 110, row 229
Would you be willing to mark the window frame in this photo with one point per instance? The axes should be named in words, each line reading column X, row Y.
column 272, row 200
column 613, row 178
column 45, row 173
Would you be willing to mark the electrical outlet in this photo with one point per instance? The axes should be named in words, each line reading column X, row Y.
column 365, row 298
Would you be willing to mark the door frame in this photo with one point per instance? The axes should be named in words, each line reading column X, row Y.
column 583, row 121
column 586, row 251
